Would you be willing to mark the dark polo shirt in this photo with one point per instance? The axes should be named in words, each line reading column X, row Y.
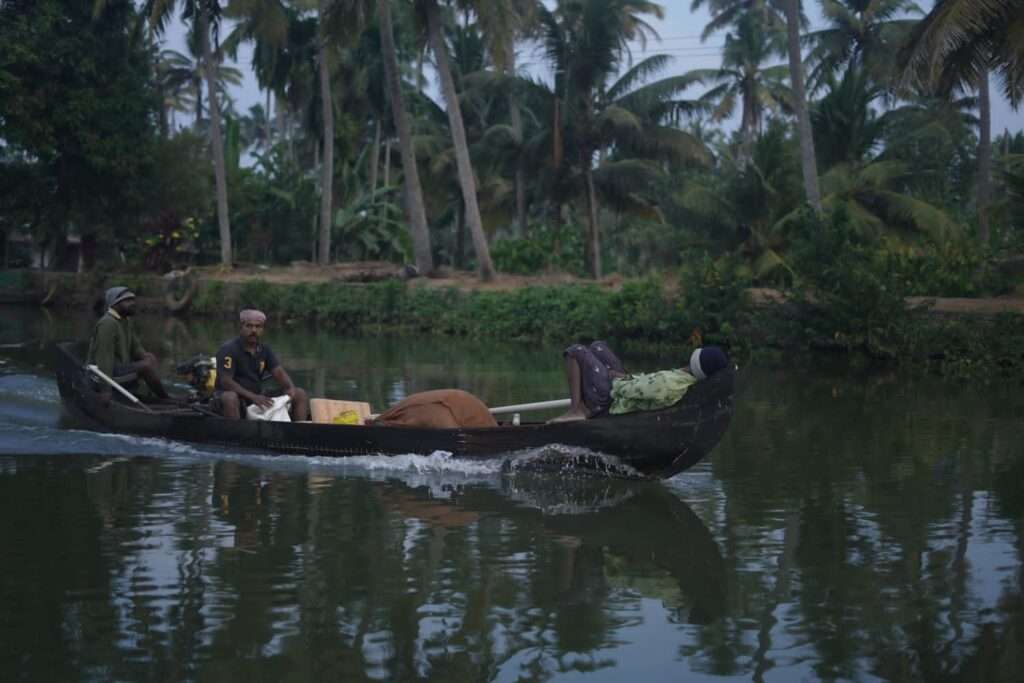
column 248, row 369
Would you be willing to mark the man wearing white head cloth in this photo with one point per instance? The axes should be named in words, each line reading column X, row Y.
column 244, row 363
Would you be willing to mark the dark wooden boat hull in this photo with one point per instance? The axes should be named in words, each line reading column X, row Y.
column 657, row 443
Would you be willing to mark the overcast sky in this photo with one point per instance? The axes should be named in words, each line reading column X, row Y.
column 680, row 37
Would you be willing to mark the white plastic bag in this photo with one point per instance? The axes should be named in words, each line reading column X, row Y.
column 275, row 413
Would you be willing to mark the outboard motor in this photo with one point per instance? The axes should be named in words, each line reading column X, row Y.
column 201, row 372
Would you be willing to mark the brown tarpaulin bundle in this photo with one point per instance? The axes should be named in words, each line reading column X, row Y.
column 438, row 409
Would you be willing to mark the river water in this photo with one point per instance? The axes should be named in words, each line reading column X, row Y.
column 854, row 524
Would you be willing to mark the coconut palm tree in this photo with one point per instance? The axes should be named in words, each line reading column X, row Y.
column 587, row 43
column 265, row 23
column 181, row 78
column 959, row 40
column 252, row 129
column 338, row 24
column 323, row 7
column 937, row 134
column 846, row 126
column 502, row 23
column 777, row 14
column 956, row 46
column 874, row 197
column 432, row 12
column 743, row 78
column 872, row 190
column 203, row 16
column 862, row 32
column 726, row 13
column 808, row 162
column 738, row 207
column 413, row 191
column 181, row 84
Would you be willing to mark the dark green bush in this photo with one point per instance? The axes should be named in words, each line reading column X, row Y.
column 546, row 248
column 955, row 268
column 713, row 296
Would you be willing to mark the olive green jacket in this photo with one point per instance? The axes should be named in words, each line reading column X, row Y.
column 114, row 342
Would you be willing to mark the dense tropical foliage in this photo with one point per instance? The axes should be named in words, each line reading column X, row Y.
column 604, row 157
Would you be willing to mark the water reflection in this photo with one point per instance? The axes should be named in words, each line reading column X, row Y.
column 852, row 525
column 219, row 568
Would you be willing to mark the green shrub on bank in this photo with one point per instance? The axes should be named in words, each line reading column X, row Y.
column 546, row 247
column 850, row 295
column 854, row 300
column 845, row 302
column 209, row 299
column 714, row 298
column 639, row 310
column 954, row 268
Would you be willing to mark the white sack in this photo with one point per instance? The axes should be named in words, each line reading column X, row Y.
column 275, row 413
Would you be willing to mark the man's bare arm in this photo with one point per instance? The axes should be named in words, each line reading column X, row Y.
column 283, row 379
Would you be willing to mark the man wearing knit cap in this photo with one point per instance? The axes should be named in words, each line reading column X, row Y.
column 115, row 347
column 244, row 363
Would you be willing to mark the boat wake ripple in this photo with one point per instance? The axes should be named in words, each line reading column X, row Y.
column 31, row 423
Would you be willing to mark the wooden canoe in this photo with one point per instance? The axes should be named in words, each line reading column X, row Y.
column 655, row 444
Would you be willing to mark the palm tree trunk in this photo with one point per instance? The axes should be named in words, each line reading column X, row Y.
column 458, row 130
column 516, row 119
column 219, row 171
column 279, row 114
column 520, row 185
column 413, row 193
column 327, row 170
column 387, row 186
column 803, row 116
column 460, row 239
column 198, row 87
column 984, row 157
column 593, row 248
column 163, row 109
column 375, row 157
column 748, row 126
column 266, row 123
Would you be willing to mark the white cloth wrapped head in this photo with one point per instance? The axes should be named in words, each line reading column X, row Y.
column 252, row 315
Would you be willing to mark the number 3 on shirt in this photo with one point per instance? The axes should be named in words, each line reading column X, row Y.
column 227, row 362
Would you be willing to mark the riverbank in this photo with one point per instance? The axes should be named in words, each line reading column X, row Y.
column 957, row 335
column 60, row 289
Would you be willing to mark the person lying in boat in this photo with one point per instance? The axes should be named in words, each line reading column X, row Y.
column 599, row 384
column 115, row 347
column 242, row 365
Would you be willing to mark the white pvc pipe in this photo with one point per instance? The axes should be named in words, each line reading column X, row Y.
column 524, row 407
column 519, row 407
column 124, row 392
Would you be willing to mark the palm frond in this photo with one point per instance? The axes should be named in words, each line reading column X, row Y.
column 616, row 121
column 651, row 95
column 961, row 39
column 669, row 144
column 919, row 215
column 637, row 75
